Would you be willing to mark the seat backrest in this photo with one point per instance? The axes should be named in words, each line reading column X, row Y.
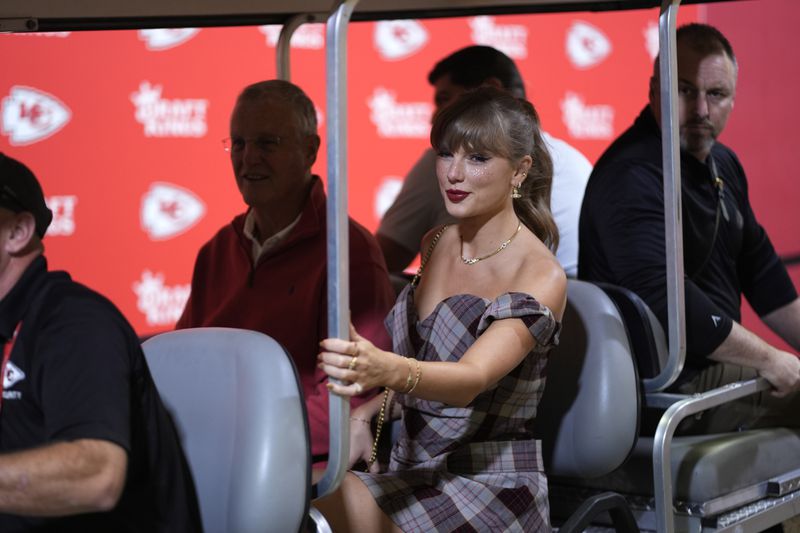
column 239, row 408
column 646, row 334
column 399, row 281
column 589, row 415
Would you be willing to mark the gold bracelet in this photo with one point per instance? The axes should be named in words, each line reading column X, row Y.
column 416, row 379
column 367, row 422
column 410, row 378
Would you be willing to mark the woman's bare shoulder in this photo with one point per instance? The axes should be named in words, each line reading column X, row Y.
column 540, row 275
column 428, row 238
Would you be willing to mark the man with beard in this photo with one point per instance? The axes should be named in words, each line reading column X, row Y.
column 726, row 251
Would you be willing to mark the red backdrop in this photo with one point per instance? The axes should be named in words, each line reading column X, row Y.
column 123, row 128
column 763, row 126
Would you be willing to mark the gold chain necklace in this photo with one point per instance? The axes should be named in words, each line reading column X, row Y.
column 503, row 246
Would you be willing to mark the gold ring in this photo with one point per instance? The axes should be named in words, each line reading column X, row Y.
column 353, row 363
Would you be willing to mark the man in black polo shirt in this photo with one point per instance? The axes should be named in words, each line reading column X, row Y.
column 726, row 252
column 85, row 442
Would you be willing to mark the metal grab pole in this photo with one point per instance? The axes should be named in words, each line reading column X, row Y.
column 282, row 49
column 673, row 225
column 338, row 248
column 673, row 240
column 662, row 440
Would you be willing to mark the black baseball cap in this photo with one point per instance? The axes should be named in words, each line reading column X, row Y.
column 20, row 191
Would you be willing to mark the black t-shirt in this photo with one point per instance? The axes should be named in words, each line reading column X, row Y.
column 77, row 371
column 622, row 237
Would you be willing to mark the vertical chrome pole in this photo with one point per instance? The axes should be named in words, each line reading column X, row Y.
column 338, row 248
column 282, row 49
column 673, row 225
column 662, row 477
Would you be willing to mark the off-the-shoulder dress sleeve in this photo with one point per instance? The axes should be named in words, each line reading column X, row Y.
column 538, row 318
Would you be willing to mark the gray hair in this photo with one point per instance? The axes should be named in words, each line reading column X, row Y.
column 293, row 96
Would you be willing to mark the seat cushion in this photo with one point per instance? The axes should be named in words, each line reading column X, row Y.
column 707, row 466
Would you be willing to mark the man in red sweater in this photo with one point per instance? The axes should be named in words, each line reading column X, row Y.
column 266, row 270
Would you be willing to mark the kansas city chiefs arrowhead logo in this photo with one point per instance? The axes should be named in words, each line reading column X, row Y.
column 587, row 46
column 31, row 115
column 12, row 376
column 397, row 39
column 168, row 210
column 164, row 38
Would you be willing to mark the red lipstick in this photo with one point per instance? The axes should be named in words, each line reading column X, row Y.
column 455, row 195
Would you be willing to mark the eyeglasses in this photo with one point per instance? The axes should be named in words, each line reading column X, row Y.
column 267, row 143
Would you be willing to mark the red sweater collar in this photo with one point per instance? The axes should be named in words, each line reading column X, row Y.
column 312, row 220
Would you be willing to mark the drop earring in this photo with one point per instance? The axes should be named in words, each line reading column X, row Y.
column 515, row 192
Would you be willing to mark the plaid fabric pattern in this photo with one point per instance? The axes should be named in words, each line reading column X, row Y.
column 475, row 468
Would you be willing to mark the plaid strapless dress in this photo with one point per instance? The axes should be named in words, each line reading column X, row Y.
column 475, row 468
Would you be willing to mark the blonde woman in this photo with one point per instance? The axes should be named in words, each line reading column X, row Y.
column 470, row 338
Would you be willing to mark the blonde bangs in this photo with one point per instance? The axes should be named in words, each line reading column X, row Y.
column 477, row 129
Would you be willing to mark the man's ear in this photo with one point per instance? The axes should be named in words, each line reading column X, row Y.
column 312, row 148
column 22, row 231
column 492, row 81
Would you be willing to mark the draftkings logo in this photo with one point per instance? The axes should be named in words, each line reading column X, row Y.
column 587, row 121
column 63, row 208
column 511, row 39
column 398, row 39
column 161, row 117
column 586, row 45
column 168, row 210
column 165, row 38
column 307, row 36
column 387, row 193
column 161, row 305
column 31, row 115
column 395, row 119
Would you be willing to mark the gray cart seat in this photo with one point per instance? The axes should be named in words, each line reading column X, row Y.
column 712, row 474
column 238, row 406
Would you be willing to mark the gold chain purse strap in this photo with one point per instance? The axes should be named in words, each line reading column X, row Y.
column 382, row 413
column 425, row 259
column 381, row 417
